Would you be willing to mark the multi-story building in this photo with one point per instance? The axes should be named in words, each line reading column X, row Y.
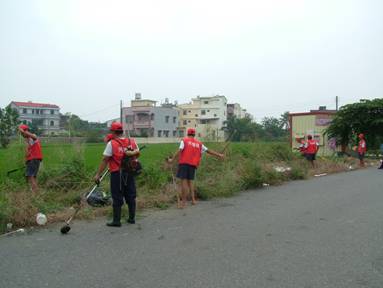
column 46, row 116
column 312, row 123
column 145, row 119
column 207, row 115
column 235, row 110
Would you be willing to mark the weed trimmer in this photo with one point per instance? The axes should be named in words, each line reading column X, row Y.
column 92, row 199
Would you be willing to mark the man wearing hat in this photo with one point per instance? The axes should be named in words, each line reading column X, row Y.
column 189, row 153
column 33, row 156
column 122, row 184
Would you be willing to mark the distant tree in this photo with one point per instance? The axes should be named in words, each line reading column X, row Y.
column 8, row 124
column 364, row 117
column 284, row 121
column 242, row 129
column 273, row 128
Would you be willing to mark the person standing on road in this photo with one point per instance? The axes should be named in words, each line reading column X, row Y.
column 362, row 148
column 381, row 160
column 189, row 154
column 311, row 149
column 122, row 184
column 33, row 156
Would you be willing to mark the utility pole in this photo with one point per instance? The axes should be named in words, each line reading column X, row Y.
column 336, row 102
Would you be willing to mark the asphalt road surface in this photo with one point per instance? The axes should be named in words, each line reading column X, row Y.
column 324, row 232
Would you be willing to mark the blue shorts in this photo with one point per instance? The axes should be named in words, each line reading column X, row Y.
column 186, row 171
column 32, row 167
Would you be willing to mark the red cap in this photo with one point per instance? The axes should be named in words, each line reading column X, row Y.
column 361, row 135
column 24, row 127
column 191, row 131
column 116, row 126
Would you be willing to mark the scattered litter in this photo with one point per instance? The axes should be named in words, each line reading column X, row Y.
column 320, row 175
column 265, row 184
column 281, row 169
column 18, row 231
column 9, row 226
column 41, row 219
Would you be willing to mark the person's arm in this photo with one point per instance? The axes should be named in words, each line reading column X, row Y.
column 28, row 134
column 108, row 152
column 135, row 151
column 101, row 169
column 215, row 154
column 177, row 153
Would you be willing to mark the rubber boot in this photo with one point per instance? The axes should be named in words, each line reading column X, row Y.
column 132, row 211
column 116, row 218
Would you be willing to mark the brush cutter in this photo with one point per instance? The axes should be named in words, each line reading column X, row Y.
column 94, row 198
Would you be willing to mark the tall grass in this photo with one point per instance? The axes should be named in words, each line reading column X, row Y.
column 67, row 172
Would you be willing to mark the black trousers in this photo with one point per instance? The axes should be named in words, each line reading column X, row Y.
column 123, row 186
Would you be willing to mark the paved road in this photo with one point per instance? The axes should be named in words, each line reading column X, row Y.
column 324, row 232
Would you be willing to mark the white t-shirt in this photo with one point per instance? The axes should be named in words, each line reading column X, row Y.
column 182, row 146
column 108, row 152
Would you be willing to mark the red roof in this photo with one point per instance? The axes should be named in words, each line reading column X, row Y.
column 35, row 105
column 315, row 112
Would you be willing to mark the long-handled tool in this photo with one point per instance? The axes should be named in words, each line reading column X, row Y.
column 14, row 170
column 66, row 228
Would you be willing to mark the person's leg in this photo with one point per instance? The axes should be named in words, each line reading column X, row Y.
column 33, row 182
column 185, row 192
column 130, row 198
column 32, row 168
column 192, row 191
column 115, row 189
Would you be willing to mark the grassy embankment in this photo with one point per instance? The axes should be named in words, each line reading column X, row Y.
column 67, row 171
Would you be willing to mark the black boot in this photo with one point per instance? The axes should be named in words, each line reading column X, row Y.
column 132, row 211
column 116, row 218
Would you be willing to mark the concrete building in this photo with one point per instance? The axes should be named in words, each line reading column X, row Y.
column 235, row 110
column 143, row 118
column 47, row 116
column 312, row 123
column 207, row 115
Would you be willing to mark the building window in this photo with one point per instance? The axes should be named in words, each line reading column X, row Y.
column 174, row 133
column 208, row 110
column 203, row 112
column 189, row 111
column 188, row 121
column 52, row 123
column 185, row 112
column 159, row 133
column 196, row 115
column 33, row 111
column 203, row 121
column 24, row 111
column 129, row 118
column 152, row 117
column 205, row 102
column 185, row 122
column 166, row 119
column 215, row 115
column 166, row 133
column 174, row 119
column 52, row 112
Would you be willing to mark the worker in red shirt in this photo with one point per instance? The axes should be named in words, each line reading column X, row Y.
column 122, row 184
column 311, row 149
column 33, row 156
column 189, row 154
column 362, row 148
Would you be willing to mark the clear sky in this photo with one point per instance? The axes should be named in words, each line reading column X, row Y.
column 270, row 56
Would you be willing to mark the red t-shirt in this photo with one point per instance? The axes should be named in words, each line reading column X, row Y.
column 33, row 150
